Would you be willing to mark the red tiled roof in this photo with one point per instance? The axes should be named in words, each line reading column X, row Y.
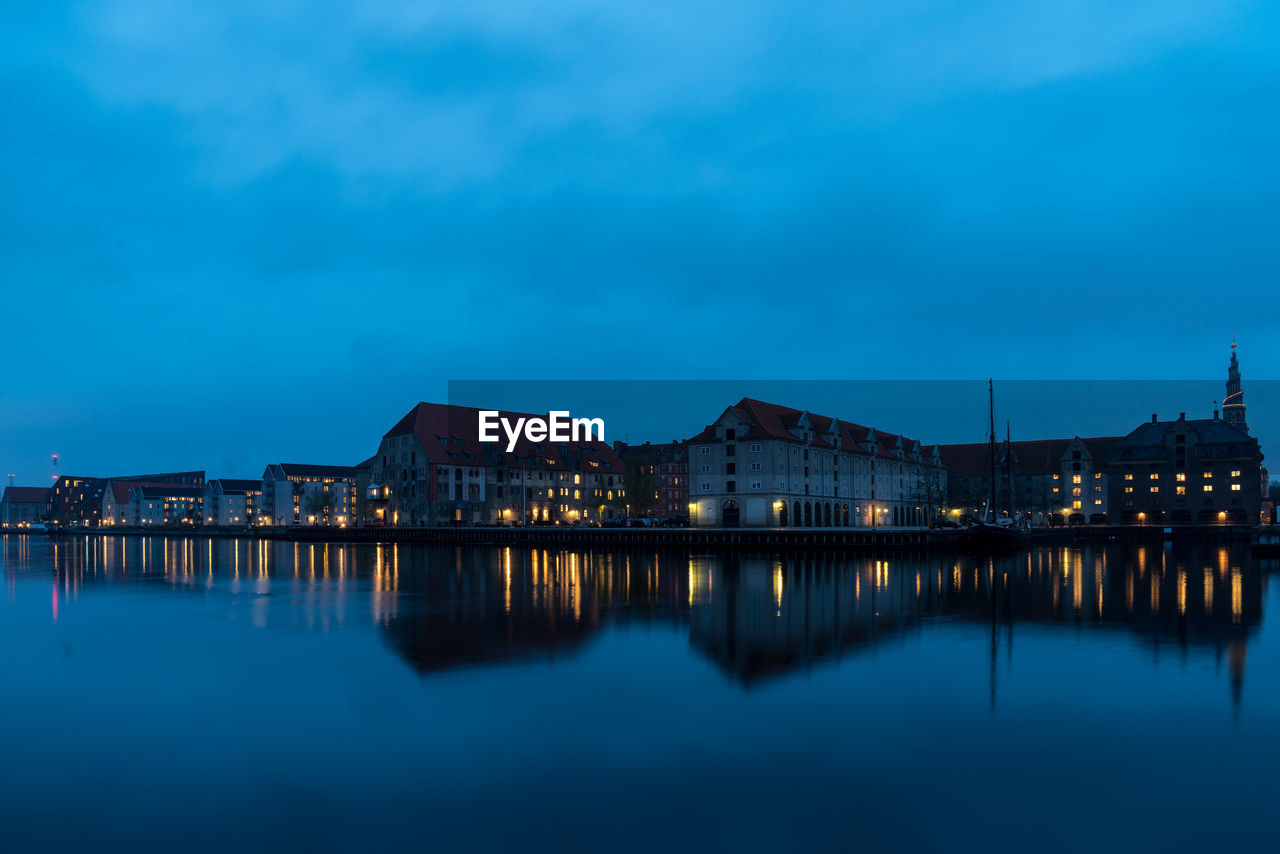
column 442, row 429
column 773, row 421
column 25, row 494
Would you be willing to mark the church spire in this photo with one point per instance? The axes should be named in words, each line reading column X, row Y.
column 1233, row 403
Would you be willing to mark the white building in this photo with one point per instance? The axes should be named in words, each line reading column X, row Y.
column 764, row 465
column 232, row 502
column 165, row 504
column 303, row 494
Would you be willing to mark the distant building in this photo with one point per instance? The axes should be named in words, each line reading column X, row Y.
column 21, row 506
column 1045, row 481
column 764, row 465
column 1233, row 404
column 165, row 504
column 432, row 469
column 305, row 494
column 668, row 463
column 77, row 500
column 232, row 502
column 1202, row 471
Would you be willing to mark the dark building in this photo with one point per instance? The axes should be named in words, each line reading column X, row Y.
column 22, row 505
column 74, row 500
column 669, row 465
column 1183, row 472
column 1044, row 481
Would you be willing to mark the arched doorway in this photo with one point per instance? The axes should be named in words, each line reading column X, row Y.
column 845, row 516
column 782, row 514
column 796, row 516
column 808, row 514
column 730, row 514
column 827, row 514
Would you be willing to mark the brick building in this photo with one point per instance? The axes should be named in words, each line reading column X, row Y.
column 668, row 463
column 432, row 469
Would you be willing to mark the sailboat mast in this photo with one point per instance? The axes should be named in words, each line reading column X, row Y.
column 991, row 407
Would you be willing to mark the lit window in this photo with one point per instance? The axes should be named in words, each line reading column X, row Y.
column 1097, row 502
column 1155, row 489
column 1075, row 478
column 1180, row 476
column 1208, row 487
column 1182, row 490
column 1235, row 487
column 1075, row 505
column 1055, row 477
column 1128, row 489
column 1128, row 477
column 1235, row 472
column 1155, row 475
column 1208, row 474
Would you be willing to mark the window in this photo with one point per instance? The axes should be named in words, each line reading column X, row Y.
column 1055, row 476
column 1128, row 489
column 1075, row 478
column 1180, row 476
column 1075, row 505
column 1208, row 487
column 705, row 486
column 1155, row 475
column 729, row 434
column 1155, row 489
column 1128, row 477
column 1235, row 472
column 755, row 484
column 706, row 467
column 755, row 447
column 1097, row 502
column 703, row 451
column 1235, row 487
column 1182, row 490
column 755, row 467
column 1097, row 475
column 1208, row 474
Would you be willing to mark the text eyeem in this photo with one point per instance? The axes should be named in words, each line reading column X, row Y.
column 558, row 426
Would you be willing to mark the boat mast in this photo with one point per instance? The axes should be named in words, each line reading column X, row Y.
column 991, row 407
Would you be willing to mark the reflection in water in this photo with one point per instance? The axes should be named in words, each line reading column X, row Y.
column 754, row 616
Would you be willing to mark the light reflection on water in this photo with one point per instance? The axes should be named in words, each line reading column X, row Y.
column 452, row 674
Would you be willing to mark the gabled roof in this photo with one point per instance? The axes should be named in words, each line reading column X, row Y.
column 310, row 470
column 229, row 486
column 773, row 421
column 449, row 435
column 167, row 491
column 25, row 494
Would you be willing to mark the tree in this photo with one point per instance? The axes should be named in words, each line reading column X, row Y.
column 641, row 486
column 317, row 502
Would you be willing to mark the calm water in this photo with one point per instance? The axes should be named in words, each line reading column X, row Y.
column 184, row 694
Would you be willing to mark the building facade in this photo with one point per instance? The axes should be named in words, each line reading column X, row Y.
column 165, row 504
column 432, row 469
column 1043, row 482
column 23, row 506
column 77, row 501
column 1184, row 472
column 668, row 465
column 764, row 465
column 306, row 494
column 231, row 502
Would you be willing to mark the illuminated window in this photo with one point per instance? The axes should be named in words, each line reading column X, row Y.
column 1097, row 501
column 1075, row 505
column 1155, row 475
column 1128, row 477
column 1076, row 492
column 1155, row 489
column 1180, row 476
column 1097, row 475
column 1055, row 477
column 1075, row 478
column 1235, row 487
column 1235, row 472
column 1128, row 489
column 1208, row 474
column 1182, row 490
column 1208, row 487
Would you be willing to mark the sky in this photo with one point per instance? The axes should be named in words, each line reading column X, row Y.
column 243, row 232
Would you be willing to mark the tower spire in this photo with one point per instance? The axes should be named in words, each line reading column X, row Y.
column 1233, row 403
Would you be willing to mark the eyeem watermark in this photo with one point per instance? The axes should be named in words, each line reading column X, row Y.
column 558, row 426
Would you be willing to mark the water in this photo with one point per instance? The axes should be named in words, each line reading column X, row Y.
column 196, row 694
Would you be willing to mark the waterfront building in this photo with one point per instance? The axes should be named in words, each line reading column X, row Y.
column 764, row 465
column 231, row 502
column 306, row 494
column 432, row 469
column 22, row 506
column 164, row 504
column 1043, row 481
column 668, row 465
column 1199, row 471
column 77, row 500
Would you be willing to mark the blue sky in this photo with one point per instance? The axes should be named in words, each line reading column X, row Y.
column 240, row 232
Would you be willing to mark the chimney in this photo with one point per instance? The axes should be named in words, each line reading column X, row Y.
column 1215, row 415
column 1153, row 418
column 1182, row 416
